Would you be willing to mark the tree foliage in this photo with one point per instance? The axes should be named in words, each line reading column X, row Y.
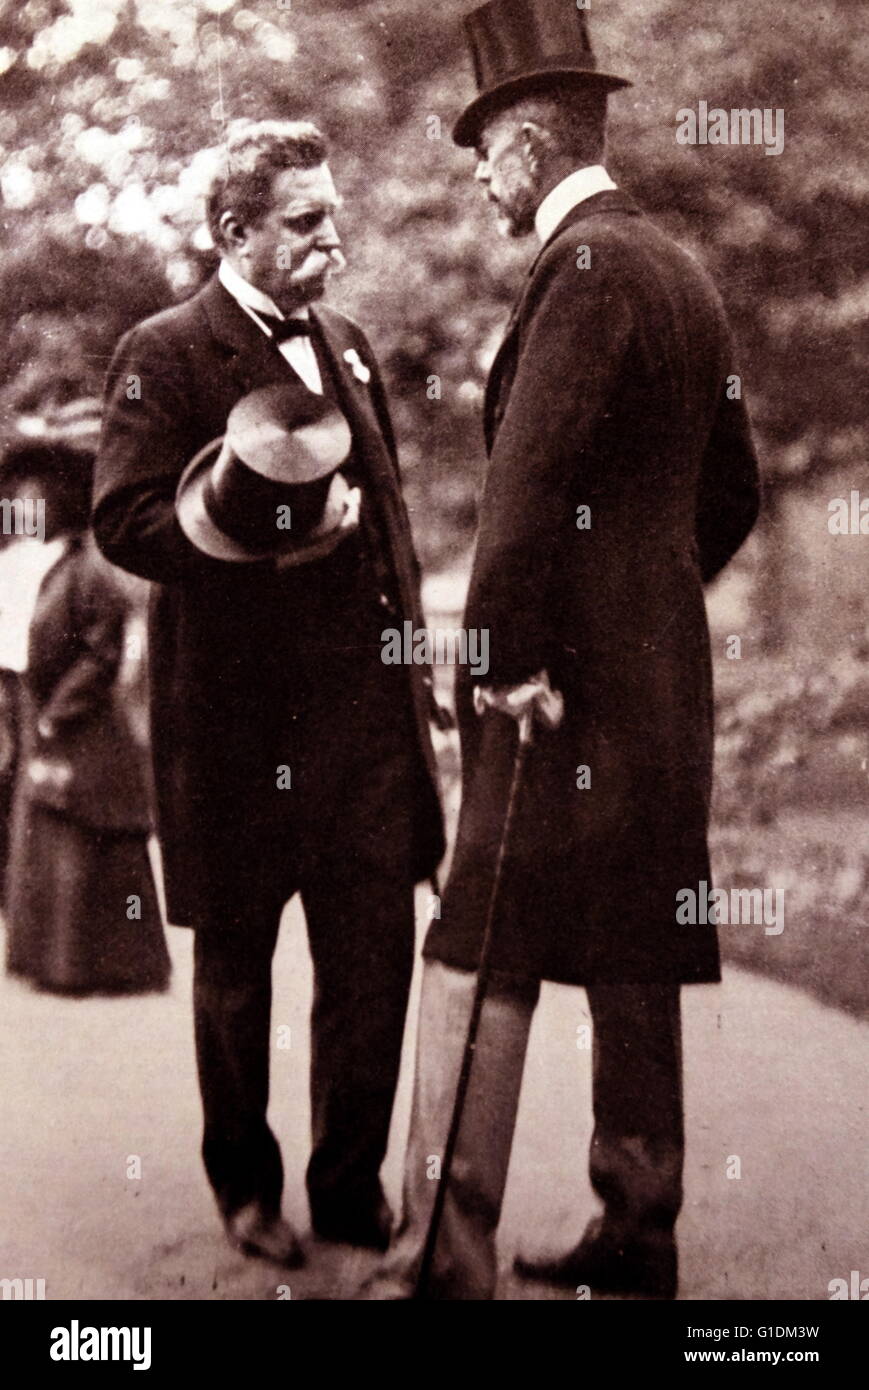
column 108, row 104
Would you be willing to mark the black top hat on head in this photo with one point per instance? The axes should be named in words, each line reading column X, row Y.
column 282, row 450
column 523, row 46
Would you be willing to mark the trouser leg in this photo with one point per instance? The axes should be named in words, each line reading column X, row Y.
column 232, row 992
column 465, row 1265
column 637, row 1149
column 361, row 931
column 356, row 774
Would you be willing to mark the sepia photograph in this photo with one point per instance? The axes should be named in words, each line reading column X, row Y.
column 434, row 662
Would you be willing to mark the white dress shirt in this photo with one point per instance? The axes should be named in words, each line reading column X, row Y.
column 565, row 196
column 299, row 352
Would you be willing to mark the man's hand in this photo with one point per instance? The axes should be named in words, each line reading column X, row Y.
column 535, row 697
column 342, row 509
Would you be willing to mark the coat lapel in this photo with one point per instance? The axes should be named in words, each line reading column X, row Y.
column 370, row 432
column 354, row 396
column 356, row 401
column 252, row 358
column 613, row 200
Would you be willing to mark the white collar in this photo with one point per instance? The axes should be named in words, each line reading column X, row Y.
column 565, row 196
column 248, row 296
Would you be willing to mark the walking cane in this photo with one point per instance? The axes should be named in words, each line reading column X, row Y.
column 526, row 737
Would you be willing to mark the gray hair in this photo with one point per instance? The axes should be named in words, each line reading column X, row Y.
column 255, row 151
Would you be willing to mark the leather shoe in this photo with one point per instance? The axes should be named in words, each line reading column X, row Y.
column 612, row 1262
column 369, row 1226
column 255, row 1231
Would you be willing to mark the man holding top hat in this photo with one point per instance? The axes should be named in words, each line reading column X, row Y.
column 621, row 478
column 248, row 468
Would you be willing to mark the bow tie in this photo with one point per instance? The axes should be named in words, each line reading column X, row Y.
column 284, row 329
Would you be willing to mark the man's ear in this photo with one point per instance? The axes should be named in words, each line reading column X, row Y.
column 536, row 141
column 233, row 232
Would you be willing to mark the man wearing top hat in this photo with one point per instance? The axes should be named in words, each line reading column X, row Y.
column 248, row 468
column 621, row 479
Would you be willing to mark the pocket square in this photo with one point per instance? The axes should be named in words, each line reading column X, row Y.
column 357, row 366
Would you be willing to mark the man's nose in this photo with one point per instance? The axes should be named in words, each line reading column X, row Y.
column 481, row 173
column 327, row 237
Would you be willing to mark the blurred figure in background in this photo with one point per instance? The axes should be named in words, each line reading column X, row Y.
column 8, row 726
column 82, row 910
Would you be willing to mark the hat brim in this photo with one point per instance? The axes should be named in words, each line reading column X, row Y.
column 208, row 538
column 192, row 514
column 466, row 131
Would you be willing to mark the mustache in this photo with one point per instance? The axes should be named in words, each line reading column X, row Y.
column 318, row 262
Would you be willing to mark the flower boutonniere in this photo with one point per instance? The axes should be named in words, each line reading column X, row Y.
column 357, row 366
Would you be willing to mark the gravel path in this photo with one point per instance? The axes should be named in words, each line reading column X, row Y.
column 773, row 1079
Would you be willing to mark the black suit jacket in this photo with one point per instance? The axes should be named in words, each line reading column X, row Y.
column 612, row 391
column 222, row 634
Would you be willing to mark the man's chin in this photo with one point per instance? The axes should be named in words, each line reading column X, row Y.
column 303, row 292
column 315, row 289
column 509, row 227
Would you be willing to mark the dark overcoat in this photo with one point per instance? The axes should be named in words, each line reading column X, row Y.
column 612, row 391
column 221, row 633
column 80, row 817
column 89, row 767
